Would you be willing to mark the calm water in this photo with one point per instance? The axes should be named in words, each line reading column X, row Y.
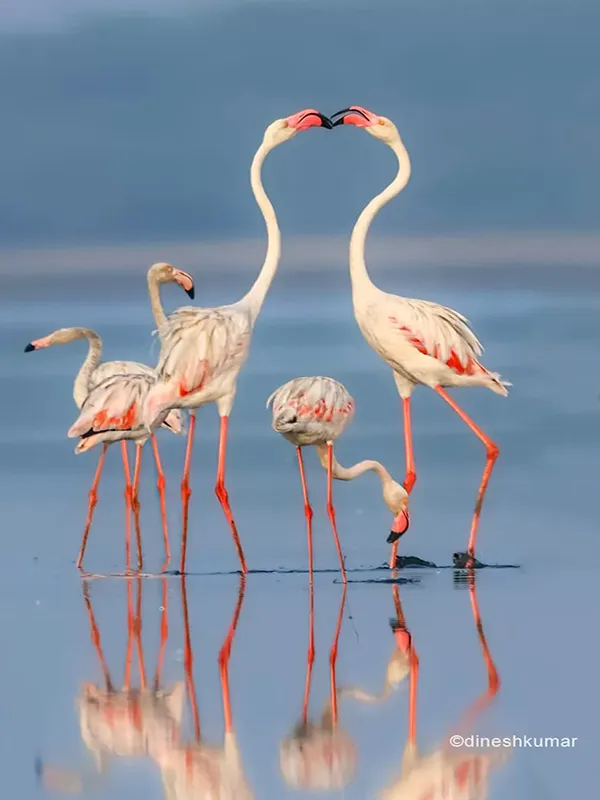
column 541, row 512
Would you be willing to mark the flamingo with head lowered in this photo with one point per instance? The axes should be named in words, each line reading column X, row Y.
column 423, row 342
column 204, row 349
column 93, row 373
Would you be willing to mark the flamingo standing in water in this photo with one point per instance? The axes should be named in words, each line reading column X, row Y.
column 315, row 411
column 203, row 349
column 93, row 373
column 423, row 342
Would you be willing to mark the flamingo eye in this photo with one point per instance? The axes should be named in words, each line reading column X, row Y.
column 381, row 121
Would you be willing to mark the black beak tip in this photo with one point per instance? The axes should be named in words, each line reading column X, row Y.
column 339, row 121
column 29, row 348
column 325, row 122
column 191, row 293
column 393, row 537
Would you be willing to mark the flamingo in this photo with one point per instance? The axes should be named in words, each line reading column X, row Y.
column 204, row 349
column 92, row 373
column 315, row 411
column 423, row 342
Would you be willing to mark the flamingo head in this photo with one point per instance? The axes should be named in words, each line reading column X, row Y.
column 166, row 273
column 396, row 499
column 379, row 127
column 61, row 336
column 286, row 128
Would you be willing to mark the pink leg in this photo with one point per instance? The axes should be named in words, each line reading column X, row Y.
column 95, row 634
column 135, row 503
column 188, row 661
column 164, row 634
column 310, row 660
column 128, row 504
column 186, row 492
column 308, row 513
column 225, row 654
column 333, row 659
column 411, row 475
column 492, row 454
column 163, row 507
column 331, row 510
column 221, row 492
column 91, row 506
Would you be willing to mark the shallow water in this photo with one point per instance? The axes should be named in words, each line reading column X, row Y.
column 541, row 513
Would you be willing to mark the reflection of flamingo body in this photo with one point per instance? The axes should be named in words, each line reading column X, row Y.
column 319, row 755
column 93, row 373
column 204, row 349
column 128, row 722
column 423, row 342
column 451, row 773
column 194, row 770
column 315, row 411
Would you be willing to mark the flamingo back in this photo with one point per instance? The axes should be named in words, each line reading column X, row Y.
column 308, row 411
column 113, row 411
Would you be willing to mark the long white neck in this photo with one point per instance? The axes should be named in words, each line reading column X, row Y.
column 91, row 362
column 256, row 296
column 155, row 302
column 361, row 283
column 349, row 473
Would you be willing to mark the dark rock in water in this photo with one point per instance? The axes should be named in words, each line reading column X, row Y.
column 413, row 561
column 464, row 561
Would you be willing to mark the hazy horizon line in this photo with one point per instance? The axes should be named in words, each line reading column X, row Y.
column 315, row 252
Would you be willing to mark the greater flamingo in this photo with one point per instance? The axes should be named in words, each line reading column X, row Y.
column 203, row 349
column 93, row 372
column 112, row 412
column 315, row 411
column 423, row 342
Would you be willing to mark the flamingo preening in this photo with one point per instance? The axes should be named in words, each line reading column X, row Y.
column 423, row 342
column 204, row 349
column 315, row 411
column 94, row 373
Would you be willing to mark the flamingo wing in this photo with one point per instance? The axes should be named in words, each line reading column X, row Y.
column 313, row 399
column 200, row 345
column 436, row 331
column 114, row 405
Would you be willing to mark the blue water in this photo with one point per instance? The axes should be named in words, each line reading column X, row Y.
column 541, row 513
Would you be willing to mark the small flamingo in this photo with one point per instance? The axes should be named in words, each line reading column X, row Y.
column 204, row 349
column 315, row 411
column 423, row 342
column 92, row 373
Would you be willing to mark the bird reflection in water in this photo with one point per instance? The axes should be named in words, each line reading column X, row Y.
column 130, row 722
column 147, row 721
column 319, row 755
column 197, row 769
column 450, row 773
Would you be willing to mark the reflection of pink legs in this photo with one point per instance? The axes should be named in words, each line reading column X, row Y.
column 225, row 654
column 333, row 659
column 311, row 650
column 188, row 660
column 91, row 506
column 95, row 634
column 164, row 633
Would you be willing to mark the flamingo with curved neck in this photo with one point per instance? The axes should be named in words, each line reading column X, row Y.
column 204, row 349
column 92, row 373
column 423, row 342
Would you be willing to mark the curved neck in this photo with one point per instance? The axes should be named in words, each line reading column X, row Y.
column 349, row 473
column 256, row 296
column 358, row 268
column 155, row 302
column 91, row 362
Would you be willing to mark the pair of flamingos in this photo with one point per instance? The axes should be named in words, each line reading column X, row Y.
column 203, row 350
column 146, row 721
